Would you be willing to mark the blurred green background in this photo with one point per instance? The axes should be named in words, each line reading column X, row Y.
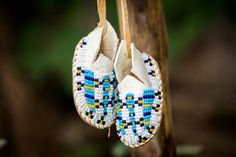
column 37, row 115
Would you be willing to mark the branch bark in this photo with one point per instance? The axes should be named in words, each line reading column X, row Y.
column 148, row 32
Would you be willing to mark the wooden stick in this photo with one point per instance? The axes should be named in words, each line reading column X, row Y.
column 101, row 4
column 126, row 31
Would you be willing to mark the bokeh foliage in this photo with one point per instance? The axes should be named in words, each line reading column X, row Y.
column 47, row 43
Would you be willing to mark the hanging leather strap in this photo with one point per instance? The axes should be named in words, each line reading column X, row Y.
column 101, row 4
column 126, row 31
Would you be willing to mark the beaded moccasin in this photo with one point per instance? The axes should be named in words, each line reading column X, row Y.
column 140, row 97
column 93, row 77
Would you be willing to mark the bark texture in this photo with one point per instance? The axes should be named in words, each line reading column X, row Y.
column 148, row 32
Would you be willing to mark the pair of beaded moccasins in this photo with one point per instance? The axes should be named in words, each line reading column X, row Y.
column 110, row 88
